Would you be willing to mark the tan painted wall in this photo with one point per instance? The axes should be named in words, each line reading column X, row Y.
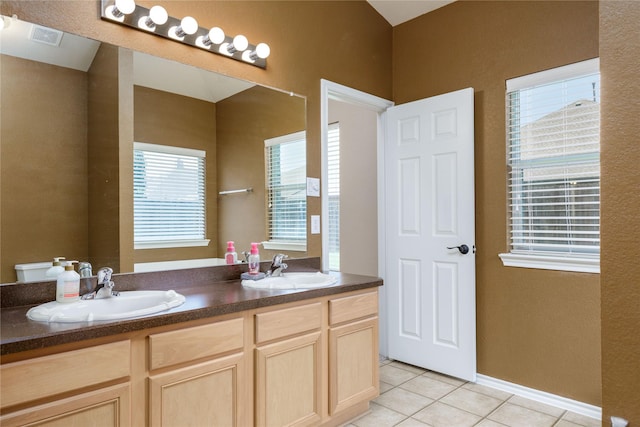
column 244, row 122
column 358, row 188
column 169, row 119
column 356, row 52
column 44, row 170
column 537, row 328
column 103, row 149
column 619, row 53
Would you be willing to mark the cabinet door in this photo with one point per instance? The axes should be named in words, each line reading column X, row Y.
column 353, row 364
column 108, row 407
column 207, row 394
column 288, row 386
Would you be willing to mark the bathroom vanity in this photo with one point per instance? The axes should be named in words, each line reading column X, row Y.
column 229, row 356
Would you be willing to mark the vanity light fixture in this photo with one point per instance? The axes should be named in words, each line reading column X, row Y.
column 186, row 30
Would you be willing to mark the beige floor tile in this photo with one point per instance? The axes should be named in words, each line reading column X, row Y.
column 519, row 416
column 444, row 378
column 412, row 422
column 489, row 391
column 379, row 417
column 428, row 387
column 403, row 401
column 565, row 423
column 415, row 369
column 384, row 387
column 489, row 423
column 470, row 401
column 441, row 415
column 581, row 420
column 394, row 376
column 537, row 406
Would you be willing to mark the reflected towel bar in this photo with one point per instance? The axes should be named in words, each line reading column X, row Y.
column 244, row 190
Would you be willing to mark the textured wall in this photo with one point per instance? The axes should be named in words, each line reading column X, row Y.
column 619, row 53
column 536, row 328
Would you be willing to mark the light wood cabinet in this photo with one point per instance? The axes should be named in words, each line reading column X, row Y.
column 288, row 368
column 53, row 378
column 353, row 351
column 314, row 362
column 196, row 392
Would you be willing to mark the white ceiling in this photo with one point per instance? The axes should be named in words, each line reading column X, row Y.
column 399, row 11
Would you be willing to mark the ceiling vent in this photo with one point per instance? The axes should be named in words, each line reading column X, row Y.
column 45, row 35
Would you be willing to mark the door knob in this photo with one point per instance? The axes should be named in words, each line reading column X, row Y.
column 464, row 249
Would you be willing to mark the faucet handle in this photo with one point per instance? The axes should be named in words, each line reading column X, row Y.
column 104, row 275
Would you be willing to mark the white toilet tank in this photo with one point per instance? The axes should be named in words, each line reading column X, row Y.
column 32, row 272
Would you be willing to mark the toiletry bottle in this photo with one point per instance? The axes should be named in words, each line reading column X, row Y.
column 68, row 287
column 56, row 268
column 231, row 257
column 254, row 260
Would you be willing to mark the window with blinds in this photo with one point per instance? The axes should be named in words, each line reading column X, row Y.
column 168, row 196
column 286, row 170
column 553, row 145
column 333, row 183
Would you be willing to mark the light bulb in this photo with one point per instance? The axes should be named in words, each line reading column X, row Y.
column 158, row 15
column 239, row 43
column 263, row 50
column 216, row 35
column 123, row 7
column 188, row 25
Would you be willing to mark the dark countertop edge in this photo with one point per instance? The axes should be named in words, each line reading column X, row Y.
column 347, row 283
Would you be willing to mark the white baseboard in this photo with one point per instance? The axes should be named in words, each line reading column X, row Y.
column 542, row 397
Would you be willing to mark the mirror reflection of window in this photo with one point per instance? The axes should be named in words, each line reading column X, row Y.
column 333, row 174
column 286, row 168
column 168, row 196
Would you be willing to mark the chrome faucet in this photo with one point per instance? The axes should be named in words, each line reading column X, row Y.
column 104, row 287
column 277, row 265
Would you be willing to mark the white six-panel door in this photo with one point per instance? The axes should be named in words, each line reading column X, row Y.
column 430, row 212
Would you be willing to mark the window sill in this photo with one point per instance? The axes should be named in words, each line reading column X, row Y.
column 171, row 244
column 285, row 246
column 547, row 262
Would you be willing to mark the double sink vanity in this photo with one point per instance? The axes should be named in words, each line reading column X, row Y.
column 229, row 355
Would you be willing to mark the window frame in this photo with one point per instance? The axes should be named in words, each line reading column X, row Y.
column 547, row 260
column 284, row 245
column 174, row 243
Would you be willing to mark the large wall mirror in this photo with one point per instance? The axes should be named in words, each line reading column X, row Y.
column 71, row 110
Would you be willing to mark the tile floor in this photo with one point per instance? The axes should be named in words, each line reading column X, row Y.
column 415, row 397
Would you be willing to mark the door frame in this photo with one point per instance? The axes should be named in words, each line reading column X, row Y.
column 334, row 91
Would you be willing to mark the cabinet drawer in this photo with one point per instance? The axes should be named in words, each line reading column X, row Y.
column 290, row 321
column 58, row 373
column 353, row 307
column 184, row 345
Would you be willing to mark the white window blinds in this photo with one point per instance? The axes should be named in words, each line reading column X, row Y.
column 286, row 168
column 333, row 175
column 553, row 138
column 168, row 196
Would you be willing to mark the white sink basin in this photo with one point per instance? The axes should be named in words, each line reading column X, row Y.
column 293, row 281
column 126, row 305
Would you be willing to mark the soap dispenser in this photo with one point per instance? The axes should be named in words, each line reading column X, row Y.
column 56, row 268
column 68, row 285
column 254, row 260
column 231, row 257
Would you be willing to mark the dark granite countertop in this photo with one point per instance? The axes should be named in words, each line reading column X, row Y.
column 208, row 292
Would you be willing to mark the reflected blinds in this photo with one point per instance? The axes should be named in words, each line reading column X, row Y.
column 553, row 138
column 286, row 169
column 168, row 194
column 333, row 175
